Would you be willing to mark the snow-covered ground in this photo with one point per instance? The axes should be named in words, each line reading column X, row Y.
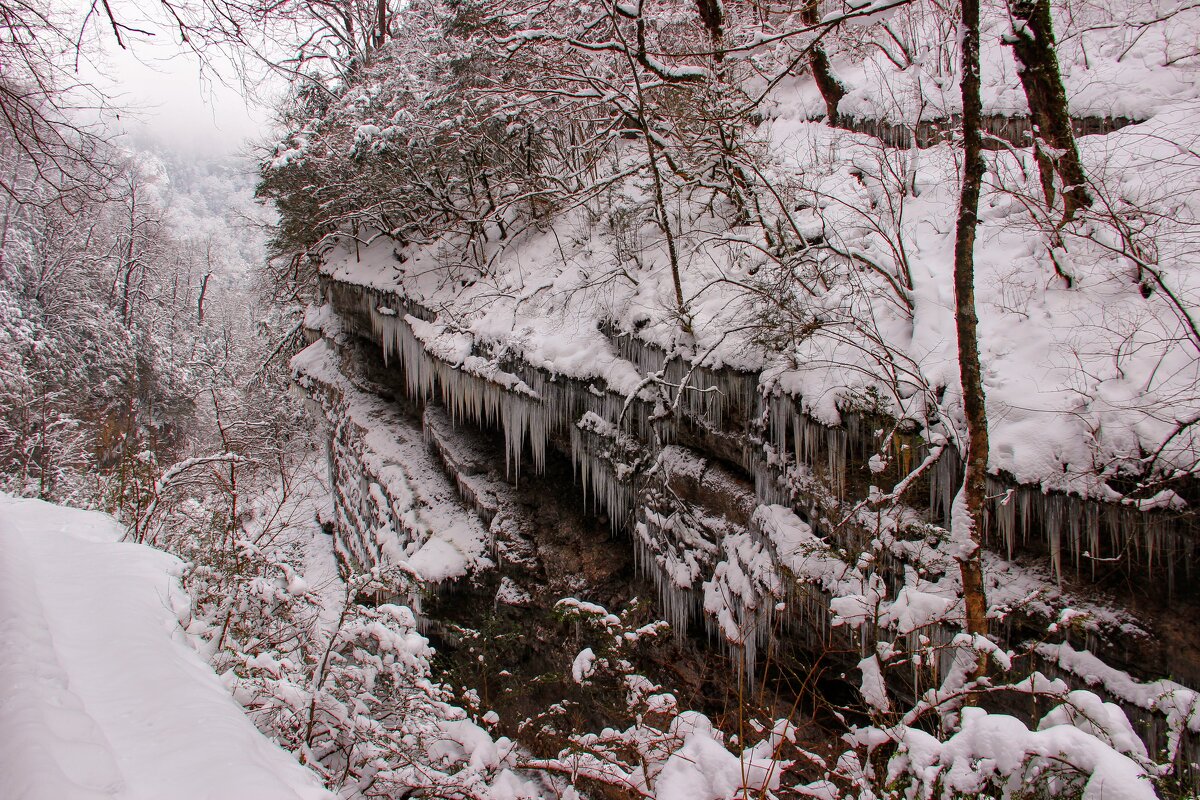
column 103, row 694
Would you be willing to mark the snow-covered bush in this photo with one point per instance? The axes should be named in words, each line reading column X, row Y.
column 667, row 752
column 343, row 683
column 1083, row 749
column 930, row 724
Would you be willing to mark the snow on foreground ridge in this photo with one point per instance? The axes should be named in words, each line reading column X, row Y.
column 103, row 696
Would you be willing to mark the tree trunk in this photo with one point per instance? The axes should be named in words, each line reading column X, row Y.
column 664, row 217
column 967, row 518
column 9, row 201
column 1055, row 149
column 200, row 299
column 832, row 90
column 130, row 262
column 381, row 23
column 712, row 15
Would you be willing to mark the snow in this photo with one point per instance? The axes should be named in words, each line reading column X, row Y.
column 703, row 769
column 1178, row 704
column 584, row 666
column 105, row 695
column 1107, row 71
column 396, row 505
column 511, row 594
column 1081, row 381
column 921, row 604
column 1089, row 364
column 1105, row 721
column 990, row 746
column 873, row 686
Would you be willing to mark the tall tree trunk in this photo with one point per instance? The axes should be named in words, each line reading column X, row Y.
column 9, row 202
column 130, row 259
column 832, row 90
column 200, row 299
column 713, row 17
column 967, row 516
column 381, row 23
column 739, row 191
column 1055, row 149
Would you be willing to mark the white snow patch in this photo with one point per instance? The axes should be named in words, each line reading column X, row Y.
column 103, row 693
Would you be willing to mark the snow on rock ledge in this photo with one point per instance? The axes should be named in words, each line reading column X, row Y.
column 392, row 502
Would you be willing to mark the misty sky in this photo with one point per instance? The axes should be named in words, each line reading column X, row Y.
column 167, row 101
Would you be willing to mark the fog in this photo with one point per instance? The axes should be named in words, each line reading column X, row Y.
column 171, row 100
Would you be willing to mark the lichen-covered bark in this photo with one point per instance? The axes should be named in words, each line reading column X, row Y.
column 1055, row 149
column 832, row 90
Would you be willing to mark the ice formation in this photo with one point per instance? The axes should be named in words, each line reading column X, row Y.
column 747, row 578
column 472, row 388
column 798, row 452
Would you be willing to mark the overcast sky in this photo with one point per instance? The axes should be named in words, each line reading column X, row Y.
column 169, row 101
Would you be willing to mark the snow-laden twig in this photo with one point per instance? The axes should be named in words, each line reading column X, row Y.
column 170, row 478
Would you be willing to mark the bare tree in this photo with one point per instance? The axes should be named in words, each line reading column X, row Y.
column 968, row 517
column 832, row 90
column 42, row 139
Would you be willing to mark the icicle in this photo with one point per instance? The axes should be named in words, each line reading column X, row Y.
column 1053, row 516
column 1114, row 518
column 836, row 444
column 1025, row 500
column 1003, row 511
column 943, row 484
column 468, row 397
column 1149, row 534
column 1091, row 525
column 1074, row 519
column 652, row 554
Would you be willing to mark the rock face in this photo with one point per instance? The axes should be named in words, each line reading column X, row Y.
column 728, row 505
column 410, row 483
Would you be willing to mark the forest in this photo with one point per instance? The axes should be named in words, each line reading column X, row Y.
column 680, row 399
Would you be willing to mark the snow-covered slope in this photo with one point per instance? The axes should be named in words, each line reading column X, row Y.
column 1084, row 374
column 1087, row 330
column 103, row 695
